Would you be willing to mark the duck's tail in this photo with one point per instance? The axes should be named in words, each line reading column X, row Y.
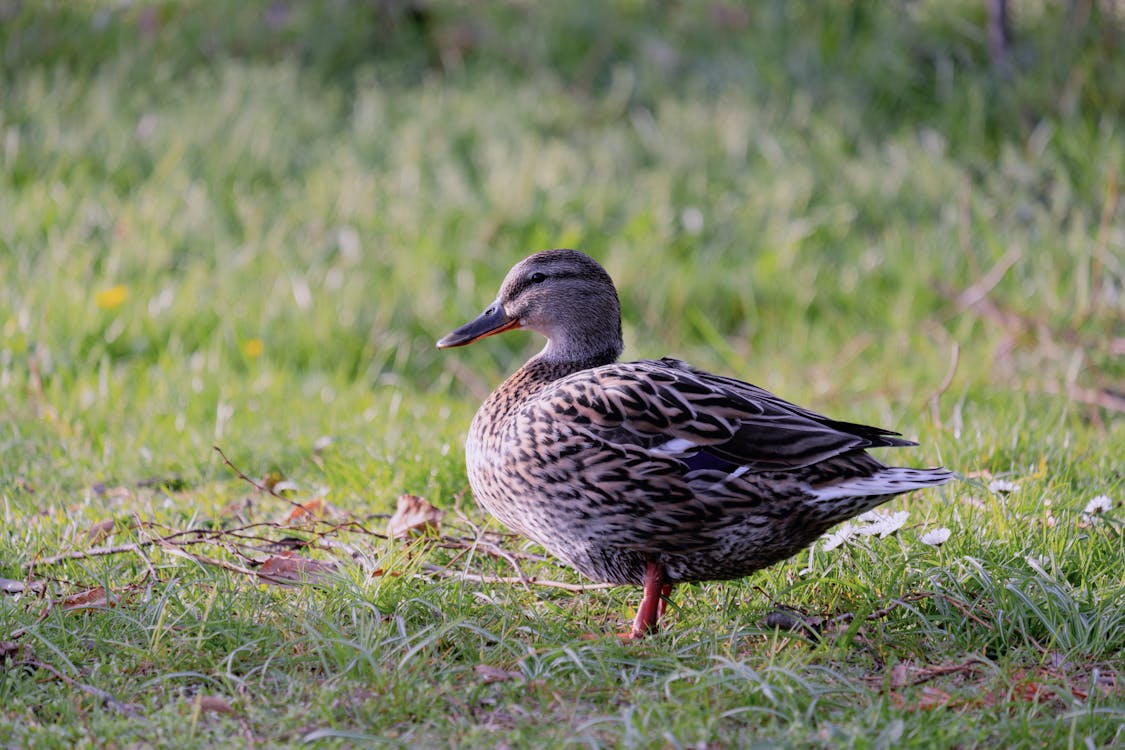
column 889, row 481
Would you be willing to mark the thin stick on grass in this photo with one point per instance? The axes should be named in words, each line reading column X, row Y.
column 478, row 578
column 479, row 543
column 1103, row 398
column 258, row 485
column 935, row 398
column 102, row 695
column 1109, row 206
column 979, row 290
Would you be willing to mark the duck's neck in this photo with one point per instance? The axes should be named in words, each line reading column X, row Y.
column 545, row 368
column 557, row 361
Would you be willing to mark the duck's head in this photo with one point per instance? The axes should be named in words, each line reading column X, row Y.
column 564, row 295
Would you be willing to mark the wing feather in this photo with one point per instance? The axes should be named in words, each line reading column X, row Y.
column 663, row 404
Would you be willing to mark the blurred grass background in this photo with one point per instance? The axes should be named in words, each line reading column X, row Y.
column 245, row 224
column 783, row 190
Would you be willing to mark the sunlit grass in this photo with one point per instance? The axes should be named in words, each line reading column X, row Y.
column 251, row 236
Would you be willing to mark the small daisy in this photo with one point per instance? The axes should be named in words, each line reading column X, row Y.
column 936, row 537
column 881, row 524
column 838, row 536
column 1002, row 486
column 1097, row 505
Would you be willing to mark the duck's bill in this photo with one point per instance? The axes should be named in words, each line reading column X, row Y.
column 492, row 321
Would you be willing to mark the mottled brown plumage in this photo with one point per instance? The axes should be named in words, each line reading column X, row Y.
column 652, row 472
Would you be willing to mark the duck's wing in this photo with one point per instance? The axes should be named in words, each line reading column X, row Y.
column 670, row 458
column 707, row 421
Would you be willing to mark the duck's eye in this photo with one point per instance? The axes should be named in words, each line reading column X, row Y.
column 538, row 278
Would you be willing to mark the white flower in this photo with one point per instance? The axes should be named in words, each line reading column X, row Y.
column 936, row 537
column 1002, row 486
column 836, row 538
column 1099, row 504
column 882, row 524
column 871, row 523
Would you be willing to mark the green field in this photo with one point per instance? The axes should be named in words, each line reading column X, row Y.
column 244, row 225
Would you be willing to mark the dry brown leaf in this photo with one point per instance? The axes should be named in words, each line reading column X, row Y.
column 490, row 674
column 312, row 510
column 95, row 598
column 112, row 493
column 100, row 531
column 215, row 704
column 384, row 572
column 283, row 569
column 927, row 699
column 414, row 516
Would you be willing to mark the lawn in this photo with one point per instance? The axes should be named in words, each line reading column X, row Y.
column 243, row 226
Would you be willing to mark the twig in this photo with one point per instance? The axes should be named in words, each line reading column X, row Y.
column 151, row 571
column 935, row 398
column 259, row 486
column 477, row 578
column 478, row 543
column 925, row 674
column 1090, row 396
column 116, row 549
column 177, row 542
column 21, row 632
column 204, row 560
column 966, row 223
column 959, row 605
column 491, row 549
column 477, row 387
column 1109, row 206
column 35, row 383
column 978, row 291
column 105, row 697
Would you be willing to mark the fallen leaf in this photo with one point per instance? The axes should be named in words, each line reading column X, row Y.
column 8, row 649
column 95, row 598
column 414, row 515
column 100, row 531
column 214, row 704
column 101, row 489
column 792, row 621
column 313, row 510
column 283, row 569
column 927, row 699
column 1033, row 692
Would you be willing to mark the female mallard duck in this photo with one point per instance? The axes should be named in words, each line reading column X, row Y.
column 653, row 472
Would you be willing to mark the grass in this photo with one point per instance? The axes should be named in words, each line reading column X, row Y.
column 245, row 227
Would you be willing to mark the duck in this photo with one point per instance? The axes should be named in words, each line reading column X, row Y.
column 653, row 472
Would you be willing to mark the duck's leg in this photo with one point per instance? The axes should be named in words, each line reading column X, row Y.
column 652, row 603
column 665, row 592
